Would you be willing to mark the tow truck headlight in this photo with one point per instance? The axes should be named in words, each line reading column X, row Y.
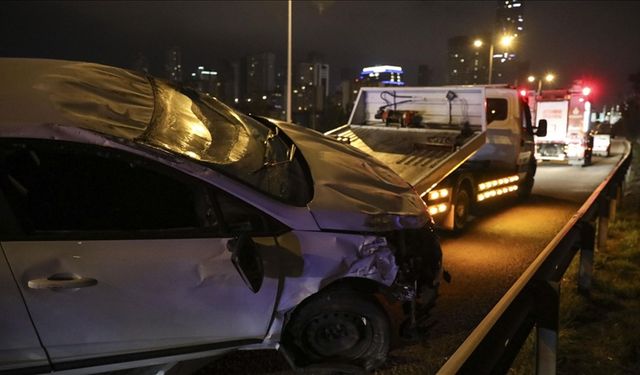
column 438, row 201
column 437, row 194
column 438, row 208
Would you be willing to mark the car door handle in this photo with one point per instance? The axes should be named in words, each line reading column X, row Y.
column 62, row 281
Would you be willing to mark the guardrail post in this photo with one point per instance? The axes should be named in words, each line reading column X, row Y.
column 602, row 225
column 615, row 199
column 587, row 245
column 548, row 311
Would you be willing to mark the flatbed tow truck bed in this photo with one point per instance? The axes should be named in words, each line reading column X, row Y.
column 442, row 133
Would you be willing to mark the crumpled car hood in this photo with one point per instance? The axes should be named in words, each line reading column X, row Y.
column 352, row 190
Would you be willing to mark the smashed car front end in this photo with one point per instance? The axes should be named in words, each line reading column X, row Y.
column 375, row 235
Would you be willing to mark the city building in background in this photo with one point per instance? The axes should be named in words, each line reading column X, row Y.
column 345, row 95
column 140, row 63
column 258, row 87
column 467, row 63
column 310, row 92
column 173, row 64
column 424, row 75
column 468, row 60
column 259, row 75
column 237, row 83
column 510, row 22
column 278, row 97
column 510, row 17
column 208, row 81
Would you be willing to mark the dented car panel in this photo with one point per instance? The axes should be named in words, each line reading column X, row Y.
column 281, row 214
column 326, row 257
column 148, row 296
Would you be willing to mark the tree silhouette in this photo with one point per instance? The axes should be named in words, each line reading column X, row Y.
column 635, row 82
column 630, row 125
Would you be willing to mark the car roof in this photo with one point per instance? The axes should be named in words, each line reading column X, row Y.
column 96, row 97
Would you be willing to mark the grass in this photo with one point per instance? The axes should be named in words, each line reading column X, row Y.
column 600, row 333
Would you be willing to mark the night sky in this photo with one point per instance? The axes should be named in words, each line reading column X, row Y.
column 598, row 40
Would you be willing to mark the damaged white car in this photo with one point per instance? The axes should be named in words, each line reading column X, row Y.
column 145, row 224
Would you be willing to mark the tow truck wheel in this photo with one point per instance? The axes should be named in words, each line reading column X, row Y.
column 340, row 327
column 526, row 186
column 461, row 209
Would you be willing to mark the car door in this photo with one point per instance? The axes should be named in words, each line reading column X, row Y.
column 20, row 348
column 120, row 258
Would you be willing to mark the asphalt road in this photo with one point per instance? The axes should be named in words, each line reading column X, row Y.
column 497, row 247
column 501, row 243
column 484, row 262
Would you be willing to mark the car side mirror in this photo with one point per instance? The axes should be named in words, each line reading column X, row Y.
column 247, row 260
column 541, row 130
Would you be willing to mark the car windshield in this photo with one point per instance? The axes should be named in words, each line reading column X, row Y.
column 202, row 128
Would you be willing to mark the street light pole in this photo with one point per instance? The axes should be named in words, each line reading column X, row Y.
column 549, row 78
column 490, row 62
column 539, row 86
column 505, row 41
column 289, row 75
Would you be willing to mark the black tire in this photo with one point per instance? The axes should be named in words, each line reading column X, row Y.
column 340, row 327
column 526, row 186
column 462, row 206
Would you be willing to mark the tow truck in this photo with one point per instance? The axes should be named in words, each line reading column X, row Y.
column 458, row 146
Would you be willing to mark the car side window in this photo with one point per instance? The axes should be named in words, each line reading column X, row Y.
column 67, row 187
column 239, row 217
column 497, row 109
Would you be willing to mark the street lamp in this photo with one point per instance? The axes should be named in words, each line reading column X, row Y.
column 549, row 77
column 289, row 59
column 505, row 41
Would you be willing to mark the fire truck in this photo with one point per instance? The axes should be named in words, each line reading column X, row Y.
column 567, row 112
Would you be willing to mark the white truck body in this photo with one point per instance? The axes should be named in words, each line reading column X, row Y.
column 456, row 152
column 557, row 115
column 567, row 113
column 422, row 156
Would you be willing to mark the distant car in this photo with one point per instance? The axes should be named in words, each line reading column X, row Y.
column 601, row 134
column 147, row 224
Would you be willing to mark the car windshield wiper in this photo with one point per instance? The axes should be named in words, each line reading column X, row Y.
column 267, row 148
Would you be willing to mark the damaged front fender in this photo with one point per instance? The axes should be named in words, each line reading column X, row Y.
column 327, row 258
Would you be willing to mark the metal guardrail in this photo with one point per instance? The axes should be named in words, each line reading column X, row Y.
column 534, row 299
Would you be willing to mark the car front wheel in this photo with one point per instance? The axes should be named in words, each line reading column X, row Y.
column 340, row 327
